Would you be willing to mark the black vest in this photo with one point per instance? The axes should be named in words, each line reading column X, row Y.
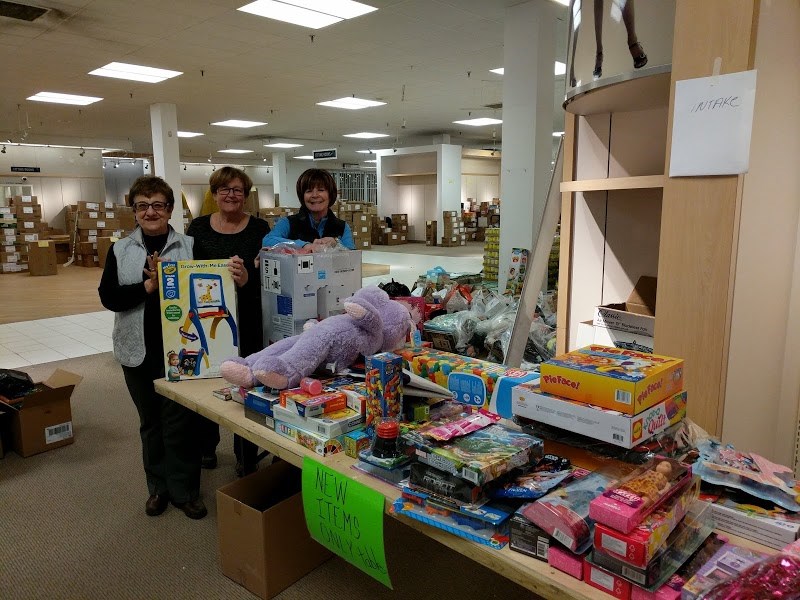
column 300, row 227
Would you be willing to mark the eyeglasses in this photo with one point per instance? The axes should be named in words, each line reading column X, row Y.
column 224, row 191
column 141, row 207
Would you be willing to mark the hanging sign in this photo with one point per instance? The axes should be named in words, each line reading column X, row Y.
column 26, row 170
column 324, row 154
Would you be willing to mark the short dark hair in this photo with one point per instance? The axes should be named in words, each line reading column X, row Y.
column 222, row 177
column 148, row 186
column 311, row 178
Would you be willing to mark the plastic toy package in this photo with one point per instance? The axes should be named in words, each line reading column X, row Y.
column 462, row 426
column 531, row 485
column 730, row 561
column 631, row 499
column 723, row 465
column 564, row 512
column 775, row 577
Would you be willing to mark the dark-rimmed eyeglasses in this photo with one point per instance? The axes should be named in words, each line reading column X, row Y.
column 224, row 191
column 141, row 207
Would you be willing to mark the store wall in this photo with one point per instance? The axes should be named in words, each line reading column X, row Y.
column 480, row 179
column 194, row 183
column 64, row 177
column 119, row 176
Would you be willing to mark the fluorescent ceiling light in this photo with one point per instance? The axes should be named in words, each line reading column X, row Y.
column 479, row 121
column 558, row 133
column 365, row 151
column 283, row 145
column 58, row 98
column 306, row 157
column 238, row 123
column 135, row 72
column 563, row 2
column 370, row 161
column 234, row 151
column 498, row 70
column 189, row 134
column 289, row 14
column 351, row 103
column 345, row 9
column 560, row 69
column 366, row 135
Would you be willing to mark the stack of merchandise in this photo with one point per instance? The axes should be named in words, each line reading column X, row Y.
column 360, row 218
column 13, row 253
column 453, row 230
column 97, row 225
column 619, row 398
column 271, row 215
column 491, row 254
column 431, row 233
column 399, row 231
column 471, row 224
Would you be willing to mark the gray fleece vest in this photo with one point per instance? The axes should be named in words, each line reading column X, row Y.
column 130, row 253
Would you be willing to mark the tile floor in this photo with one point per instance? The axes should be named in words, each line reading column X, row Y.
column 46, row 340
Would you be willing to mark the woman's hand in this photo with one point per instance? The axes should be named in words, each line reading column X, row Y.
column 238, row 271
column 151, row 270
column 323, row 244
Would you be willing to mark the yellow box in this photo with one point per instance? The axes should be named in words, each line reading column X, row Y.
column 198, row 317
column 623, row 380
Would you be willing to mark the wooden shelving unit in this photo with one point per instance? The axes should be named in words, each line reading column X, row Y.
column 615, row 183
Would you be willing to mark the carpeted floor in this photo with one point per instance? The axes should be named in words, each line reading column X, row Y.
column 72, row 523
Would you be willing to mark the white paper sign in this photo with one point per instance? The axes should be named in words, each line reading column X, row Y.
column 712, row 124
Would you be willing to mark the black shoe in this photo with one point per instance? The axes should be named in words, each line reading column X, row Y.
column 156, row 504
column 194, row 509
column 209, row 461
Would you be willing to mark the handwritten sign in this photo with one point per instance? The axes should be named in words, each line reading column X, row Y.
column 712, row 125
column 346, row 517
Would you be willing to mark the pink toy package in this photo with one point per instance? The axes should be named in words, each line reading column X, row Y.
column 626, row 503
column 565, row 561
column 608, row 582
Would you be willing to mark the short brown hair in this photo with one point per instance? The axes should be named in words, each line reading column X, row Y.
column 148, row 186
column 311, row 178
column 223, row 176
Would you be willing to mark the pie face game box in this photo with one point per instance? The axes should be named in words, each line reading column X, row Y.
column 623, row 380
column 198, row 317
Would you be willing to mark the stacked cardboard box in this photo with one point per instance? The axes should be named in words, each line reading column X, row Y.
column 491, row 254
column 21, row 224
column 431, row 234
column 271, row 215
column 398, row 233
column 96, row 220
column 360, row 216
column 10, row 255
column 453, row 230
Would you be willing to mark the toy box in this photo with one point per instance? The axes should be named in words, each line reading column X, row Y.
column 729, row 561
column 312, row 405
column 638, row 547
column 449, row 487
column 198, row 317
column 628, row 501
column 329, row 425
column 317, row 443
column 473, row 382
column 483, row 455
column 601, row 424
column 623, row 380
column 527, row 538
column 261, row 401
column 396, row 475
column 680, row 545
column 565, row 561
column 606, row 581
column 384, row 379
column 355, row 442
column 267, row 421
column 774, row 527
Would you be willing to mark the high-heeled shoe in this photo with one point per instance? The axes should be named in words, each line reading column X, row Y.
column 598, row 66
column 638, row 55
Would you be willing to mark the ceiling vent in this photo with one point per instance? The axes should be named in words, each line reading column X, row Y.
column 21, row 12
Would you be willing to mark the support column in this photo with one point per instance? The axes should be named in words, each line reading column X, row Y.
column 448, row 180
column 528, row 84
column 166, row 155
column 280, row 179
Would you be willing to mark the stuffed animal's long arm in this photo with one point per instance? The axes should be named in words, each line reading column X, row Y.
column 239, row 371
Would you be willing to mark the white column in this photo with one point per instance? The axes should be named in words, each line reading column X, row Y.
column 448, row 180
column 280, row 179
column 166, row 155
column 528, row 83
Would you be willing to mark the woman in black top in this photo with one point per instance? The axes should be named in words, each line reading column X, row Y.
column 232, row 233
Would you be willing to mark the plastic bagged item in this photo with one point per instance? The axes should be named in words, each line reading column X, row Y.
column 541, row 344
column 14, row 384
column 457, row 299
column 531, row 486
column 720, row 464
column 461, row 324
column 729, row 561
column 775, row 577
column 395, row 289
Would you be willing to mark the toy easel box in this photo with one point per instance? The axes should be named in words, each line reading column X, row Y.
column 42, row 416
column 198, row 317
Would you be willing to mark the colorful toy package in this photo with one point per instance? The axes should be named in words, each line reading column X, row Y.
column 608, row 582
column 728, row 562
column 564, row 512
column 196, row 297
column 384, row 378
column 776, row 577
column 474, row 382
column 638, row 547
column 447, row 486
column 527, row 538
column 312, row 405
column 631, row 499
column 723, row 465
column 483, row 455
column 615, row 378
column 317, row 443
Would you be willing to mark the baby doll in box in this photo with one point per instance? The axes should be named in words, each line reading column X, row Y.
column 371, row 323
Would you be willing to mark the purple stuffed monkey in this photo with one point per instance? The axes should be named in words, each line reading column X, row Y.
column 371, row 323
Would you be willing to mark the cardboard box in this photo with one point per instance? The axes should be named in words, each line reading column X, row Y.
column 635, row 315
column 589, row 334
column 264, row 544
column 43, row 420
column 598, row 423
column 42, row 259
column 614, row 378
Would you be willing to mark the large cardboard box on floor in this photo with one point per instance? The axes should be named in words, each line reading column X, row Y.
column 198, row 317
column 264, row 543
column 43, row 419
column 42, row 258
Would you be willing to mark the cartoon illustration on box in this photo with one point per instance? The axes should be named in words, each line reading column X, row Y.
column 196, row 296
